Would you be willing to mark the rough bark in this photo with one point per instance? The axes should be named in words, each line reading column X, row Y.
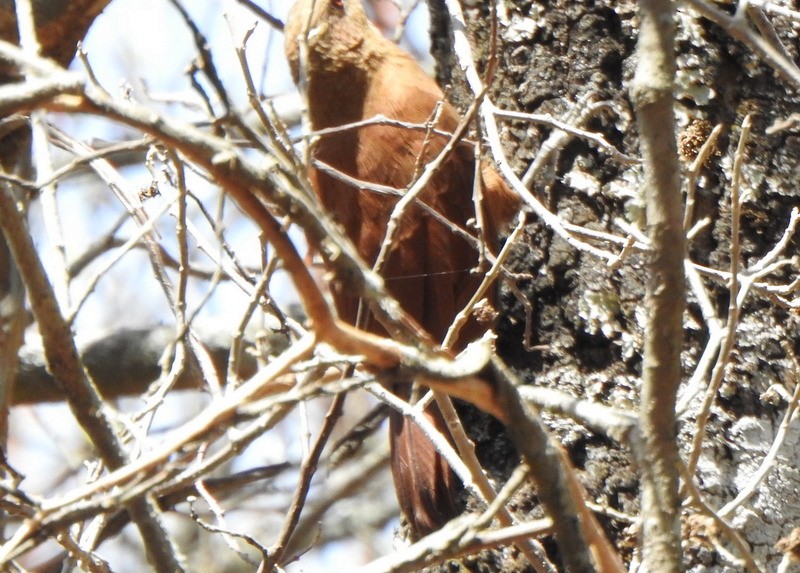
column 587, row 318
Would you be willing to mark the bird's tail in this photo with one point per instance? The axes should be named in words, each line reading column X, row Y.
column 427, row 489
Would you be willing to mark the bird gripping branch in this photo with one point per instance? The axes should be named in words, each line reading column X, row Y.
column 351, row 73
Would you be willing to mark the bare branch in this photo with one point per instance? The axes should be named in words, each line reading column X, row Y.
column 652, row 95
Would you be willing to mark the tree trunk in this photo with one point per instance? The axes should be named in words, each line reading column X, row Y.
column 587, row 320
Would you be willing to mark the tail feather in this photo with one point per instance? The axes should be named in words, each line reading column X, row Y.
column 427, row 489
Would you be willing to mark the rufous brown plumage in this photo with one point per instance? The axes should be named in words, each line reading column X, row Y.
column 352, row 73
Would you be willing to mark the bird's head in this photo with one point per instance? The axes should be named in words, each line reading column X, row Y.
column 335, row 31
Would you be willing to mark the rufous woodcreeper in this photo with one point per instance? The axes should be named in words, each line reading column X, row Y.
column 352, row 73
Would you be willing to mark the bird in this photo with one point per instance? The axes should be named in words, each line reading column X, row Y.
column 351, row 74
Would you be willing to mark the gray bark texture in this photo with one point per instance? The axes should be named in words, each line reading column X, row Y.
column 587, row 318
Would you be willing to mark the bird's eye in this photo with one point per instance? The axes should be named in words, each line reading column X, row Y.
column 338, row 4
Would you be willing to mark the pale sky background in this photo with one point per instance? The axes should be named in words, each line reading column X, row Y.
column 144, row 47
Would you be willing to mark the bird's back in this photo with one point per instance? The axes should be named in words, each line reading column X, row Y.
column 356, row 75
